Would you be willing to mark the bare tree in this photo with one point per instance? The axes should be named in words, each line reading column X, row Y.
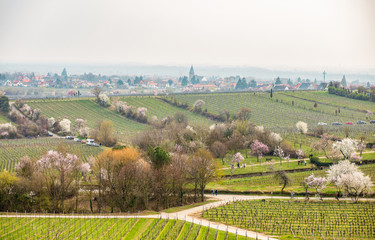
column 96, row 91
column 202, row 169
column 218, row 149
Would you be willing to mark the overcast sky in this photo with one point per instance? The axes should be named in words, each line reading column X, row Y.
column 283, row 34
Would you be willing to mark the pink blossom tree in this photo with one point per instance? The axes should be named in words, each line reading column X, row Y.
column 71, row 92
column 319, row 183
column 57, row 170
column 258, row 148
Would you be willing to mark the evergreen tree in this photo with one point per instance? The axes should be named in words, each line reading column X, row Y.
column 253, row 83
column 278, row 81
column 4, row 104
column 184, row 81
column 290, row 83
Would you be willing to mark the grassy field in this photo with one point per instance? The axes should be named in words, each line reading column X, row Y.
column 107, row 228
column 91, row 112
column 13, row 150
column 300, row 219
column 269, row 184
column 3, row 119
column 161, row 109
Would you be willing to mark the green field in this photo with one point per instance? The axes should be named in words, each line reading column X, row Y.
column 4, row 119
column 91, row 112
column 161, row 109
column 300, row 219
column 13, row 150
column 107, row 228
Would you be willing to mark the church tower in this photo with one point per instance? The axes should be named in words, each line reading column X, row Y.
column 191, row 73
column 343, row 81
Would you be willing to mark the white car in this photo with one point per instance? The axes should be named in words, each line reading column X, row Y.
column 322, row 124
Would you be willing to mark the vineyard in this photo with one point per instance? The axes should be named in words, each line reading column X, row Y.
column 13, row 150
column 268, row 183
column 161, row 109
column 331, row 99
column 91, row 112
column 107, row 228
column 279, row 114
column 307, row 220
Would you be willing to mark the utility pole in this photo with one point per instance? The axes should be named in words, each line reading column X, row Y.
column 324, row 76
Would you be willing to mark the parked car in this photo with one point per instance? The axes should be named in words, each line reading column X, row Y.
column 349, row 123
column 372, row 121
column 77, row 140
column 322, row 124
column 92, row 144
column 89, row 141
column 83, row 141
column 361, row 122
column 69, row 137
column 336, row 123
column 50, row 134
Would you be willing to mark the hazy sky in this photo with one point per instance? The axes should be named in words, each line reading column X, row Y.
column 303, row 34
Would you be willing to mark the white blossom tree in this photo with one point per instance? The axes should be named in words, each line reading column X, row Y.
column 347, row 177
column 236, row 158
column 50, row 122
column 104, row 100
column 276, row 138
column 302, row 128
column 279, row 152
column 355, row 184
column 65, row 125
column 347, row 147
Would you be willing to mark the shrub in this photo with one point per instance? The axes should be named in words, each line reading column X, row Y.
column 319, row 163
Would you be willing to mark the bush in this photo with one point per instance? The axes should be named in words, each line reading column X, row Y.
column 319, row 163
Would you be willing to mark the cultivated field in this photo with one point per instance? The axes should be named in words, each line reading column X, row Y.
column 299, row 219
column 13, row 150
column 91, row 112
column 107, row 228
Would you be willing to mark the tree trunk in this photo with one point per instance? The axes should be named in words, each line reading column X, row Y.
column 282, row 190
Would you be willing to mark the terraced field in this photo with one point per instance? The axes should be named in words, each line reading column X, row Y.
column 11, row 151
column 161, row 109
column 91, row 112
column 300, row 219
column 107, row 228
